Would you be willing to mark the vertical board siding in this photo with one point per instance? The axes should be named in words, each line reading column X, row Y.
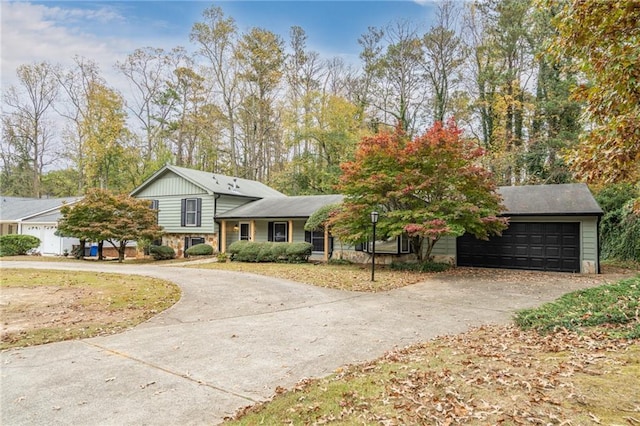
column 171, row 184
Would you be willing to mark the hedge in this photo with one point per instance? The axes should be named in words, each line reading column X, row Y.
column 199, row 250
column 162, row 252
column 16, row 244
column 249, row 251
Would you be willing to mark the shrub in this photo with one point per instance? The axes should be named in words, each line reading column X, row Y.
column 299, row 252
column 16, row 244
column 236, row 247
column 420, row 267
column 200, row 250
column 222, row 257
column 266, row 252
column 162, row 252
column 620, row 225
column 248, row 251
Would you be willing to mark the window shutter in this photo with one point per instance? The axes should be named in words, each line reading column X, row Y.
column 307, row 236
column 183, row 212
column 154, row 206
column 270, row 232
column 199, row 211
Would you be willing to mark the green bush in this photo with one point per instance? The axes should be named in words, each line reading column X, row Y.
column 162, row 252
column 299, row 252
column 199, row 250
column 620, row 226
column 420, row 267
column 247, row 251
column 222, row 257
column 15, row 244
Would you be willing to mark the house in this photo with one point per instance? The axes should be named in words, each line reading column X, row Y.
column 190, row 201
column 278, row 219
column 552, row 227
column 37, row 217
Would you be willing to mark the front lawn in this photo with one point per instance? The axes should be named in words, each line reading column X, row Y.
column 349, row 277
column 489, row 375
column 39, row 306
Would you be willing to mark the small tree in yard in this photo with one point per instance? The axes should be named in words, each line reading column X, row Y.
column 426, row 188
column 104, row 216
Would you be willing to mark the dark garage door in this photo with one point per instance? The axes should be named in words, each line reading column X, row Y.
column 525, row 245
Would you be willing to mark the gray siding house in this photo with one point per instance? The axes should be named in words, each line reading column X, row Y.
column 552, row 227
column 189, row 201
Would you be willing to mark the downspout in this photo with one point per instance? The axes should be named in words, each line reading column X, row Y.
column 215, row 213
column 598, row 270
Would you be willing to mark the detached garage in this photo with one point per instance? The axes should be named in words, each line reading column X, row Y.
column 551, row 228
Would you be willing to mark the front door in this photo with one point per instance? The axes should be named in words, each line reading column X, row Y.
column 245, row 232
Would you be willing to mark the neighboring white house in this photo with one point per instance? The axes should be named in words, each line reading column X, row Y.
column 37, row 217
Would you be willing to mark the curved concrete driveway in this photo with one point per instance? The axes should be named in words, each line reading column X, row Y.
column 231, row 339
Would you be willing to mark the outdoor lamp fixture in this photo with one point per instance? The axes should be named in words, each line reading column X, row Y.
column 374, row 220
column 235, row 227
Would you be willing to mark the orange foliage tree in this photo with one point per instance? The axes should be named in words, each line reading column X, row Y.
column 427, row 188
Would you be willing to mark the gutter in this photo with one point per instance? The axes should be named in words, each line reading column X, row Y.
column 215, row 212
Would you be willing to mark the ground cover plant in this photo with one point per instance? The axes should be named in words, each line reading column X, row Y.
column 48, row 306
column 488, row 375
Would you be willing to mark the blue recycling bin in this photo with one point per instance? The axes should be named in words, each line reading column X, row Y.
column 93, row 251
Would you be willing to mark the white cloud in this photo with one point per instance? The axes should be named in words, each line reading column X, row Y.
column 36, row 33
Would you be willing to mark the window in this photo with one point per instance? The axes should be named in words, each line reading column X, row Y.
column 191, row 211
column 394, row 245
column 404, row 243
column 278, row 232
column 316, row 238
column 244, row 232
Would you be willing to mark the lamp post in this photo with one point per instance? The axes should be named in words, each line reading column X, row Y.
column 374, row 220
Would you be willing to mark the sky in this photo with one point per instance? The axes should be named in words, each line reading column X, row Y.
column 107, row 31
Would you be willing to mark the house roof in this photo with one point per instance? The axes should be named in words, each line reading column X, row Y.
column 529, row 200
column 15, row 209
column 281, row 207
column 562, row 199
column 214, row 183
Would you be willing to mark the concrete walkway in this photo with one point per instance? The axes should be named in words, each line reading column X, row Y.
column 233, row 338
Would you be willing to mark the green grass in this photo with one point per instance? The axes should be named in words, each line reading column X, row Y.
column 62, row 305
column 611, row 308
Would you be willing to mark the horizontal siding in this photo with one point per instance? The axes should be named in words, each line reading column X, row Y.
column 226, row 203
column 446, row 246
column 169, row 214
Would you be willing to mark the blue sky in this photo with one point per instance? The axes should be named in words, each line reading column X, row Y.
column 106, row 31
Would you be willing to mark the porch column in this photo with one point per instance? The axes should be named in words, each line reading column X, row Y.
column 290, row 231
column 252, row 231
column 326, row 243
column 223, row 236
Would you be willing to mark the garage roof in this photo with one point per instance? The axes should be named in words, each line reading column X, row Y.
column 13, row 209
column 562, row 199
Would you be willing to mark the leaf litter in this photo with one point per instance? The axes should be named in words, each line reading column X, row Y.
column 488, row 375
